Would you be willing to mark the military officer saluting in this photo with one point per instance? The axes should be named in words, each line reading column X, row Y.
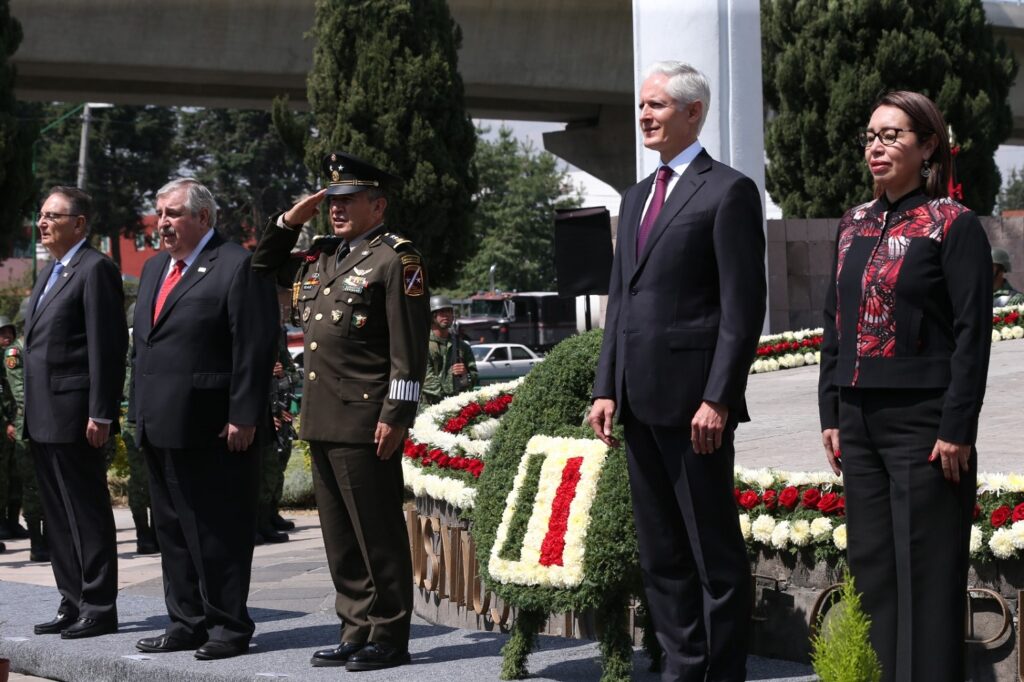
column 361, row 299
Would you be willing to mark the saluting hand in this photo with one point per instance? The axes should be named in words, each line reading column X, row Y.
column 304, row 210
column 388, row 439
column 955, row 458
column 239, row 437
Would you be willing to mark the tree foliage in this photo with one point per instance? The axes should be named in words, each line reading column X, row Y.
column 842, row 651
column 130, row 156
column 16, row 138
column 385, row 87
column 513, row 224
column 825, row 64
column 239, row 155
column 1012, row 195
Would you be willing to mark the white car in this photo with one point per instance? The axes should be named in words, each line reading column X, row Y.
column 503, row 361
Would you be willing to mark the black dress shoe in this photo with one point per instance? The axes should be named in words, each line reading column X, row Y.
column 337, row 656
column 215, row 649
column 281, row 523
column 54, row 627
column 166, row 643
column 375, row 656
column 89, row 627
column 270, row 535
column 146, row 546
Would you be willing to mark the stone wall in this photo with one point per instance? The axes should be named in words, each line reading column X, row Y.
column 800, row 256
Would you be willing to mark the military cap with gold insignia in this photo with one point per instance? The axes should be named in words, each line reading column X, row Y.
column 347, row 174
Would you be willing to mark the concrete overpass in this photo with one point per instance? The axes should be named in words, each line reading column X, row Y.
column 566, row 60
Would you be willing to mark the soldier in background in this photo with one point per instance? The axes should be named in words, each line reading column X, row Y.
column 1003, row 293
column 32, row 505
column 10, row 486
column 276, row 452
column 138, row 474
column 451, row 367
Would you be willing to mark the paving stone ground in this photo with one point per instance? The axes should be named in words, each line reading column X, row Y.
column 292, row 598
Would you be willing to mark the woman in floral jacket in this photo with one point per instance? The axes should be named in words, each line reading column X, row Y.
column 903, row 366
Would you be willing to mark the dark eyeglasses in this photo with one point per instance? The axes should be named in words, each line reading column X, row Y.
column 52, row 217
column 888, row 136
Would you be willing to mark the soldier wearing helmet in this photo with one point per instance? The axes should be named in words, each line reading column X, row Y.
column 1003, row 293
column 451, row 368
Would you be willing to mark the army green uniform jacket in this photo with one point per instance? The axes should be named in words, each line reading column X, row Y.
column 14, row 366
column 1006, row 295
column 440, row 382
column 365, row 322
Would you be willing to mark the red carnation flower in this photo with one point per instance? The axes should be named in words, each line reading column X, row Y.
column 770, row 499
column 810, row 498
column 1018, row 512
column 829, row 503
column 788, row 497
column 1000, row 516
column 748, row 499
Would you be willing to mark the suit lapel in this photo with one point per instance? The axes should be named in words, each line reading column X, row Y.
column 147, row 295
column 37, row 291
column 62, row 281
column 195, row 273
column 629, row 222
column 688, row 184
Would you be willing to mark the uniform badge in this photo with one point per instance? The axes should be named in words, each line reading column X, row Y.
column 336, row 315
column 359, row 320
column 13, row 359
column 362, row 271
column 305, row 314
column 410, row 259
column 354, row 283
column 413, row 275
column 312, row 281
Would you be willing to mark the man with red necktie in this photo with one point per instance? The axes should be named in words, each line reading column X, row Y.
column 204, row 337
column 685, row 307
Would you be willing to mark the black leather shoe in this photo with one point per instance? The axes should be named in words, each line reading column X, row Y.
column 54, row 627
column 166, row 643
column 215, row 649
column 89, row 627
column 375, row 656
column 337, row 656
column 281, row 523
column 146, row 546
column 270, row 535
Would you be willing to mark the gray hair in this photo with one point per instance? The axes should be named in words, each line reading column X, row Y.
column 685, row 85
column 197, row 197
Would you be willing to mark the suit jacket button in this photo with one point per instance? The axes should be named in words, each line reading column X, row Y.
column 312, row 376
column 312, row 346
column 318, row 316
column 366, row 396
column 327, row 290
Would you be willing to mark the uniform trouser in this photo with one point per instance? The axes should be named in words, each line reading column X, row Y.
column 138, row 474
column 271, row 479
column 693, row 560
column 32, row 506
column 359, row 498
column 204, row 515
column 6, row 473
column 908, row 531
column 80, row 526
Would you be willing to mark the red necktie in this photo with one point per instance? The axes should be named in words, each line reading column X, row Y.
column 165, row 289
column 660, row 184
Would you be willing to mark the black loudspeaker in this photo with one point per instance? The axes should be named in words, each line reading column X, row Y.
column 583, row 251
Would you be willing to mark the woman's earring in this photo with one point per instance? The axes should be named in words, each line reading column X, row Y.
column 926, row 169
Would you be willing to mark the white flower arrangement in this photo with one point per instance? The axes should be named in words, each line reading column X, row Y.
column 800, row 533
column 763, row 528
column 450, row 490
column 821, row 529
column 780, row 535
column 839, row 537
column 1001, row 543
column 976, row 538
column 427, row 427
column 745, row 526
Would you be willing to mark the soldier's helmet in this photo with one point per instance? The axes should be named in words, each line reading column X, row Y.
column 1001, row 257
column 439, row 303
column 6, row 322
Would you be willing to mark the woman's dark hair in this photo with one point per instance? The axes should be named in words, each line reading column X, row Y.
column 926, row 120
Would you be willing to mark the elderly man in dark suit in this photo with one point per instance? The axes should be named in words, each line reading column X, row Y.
column 685, row 309
column 75, row 342
column 204, row 335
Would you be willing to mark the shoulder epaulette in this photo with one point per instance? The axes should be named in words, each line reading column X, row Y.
column 397, row 242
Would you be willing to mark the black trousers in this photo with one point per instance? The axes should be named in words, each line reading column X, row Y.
column 359, row 499
column 204, row 514
column 693, row 559
column 80, row 525
column 908, row 531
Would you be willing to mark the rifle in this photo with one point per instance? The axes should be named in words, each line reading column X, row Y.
column 283, row 396
column 461, row 382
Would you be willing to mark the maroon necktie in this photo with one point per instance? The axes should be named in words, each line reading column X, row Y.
column 660, row 184
column 173, row 277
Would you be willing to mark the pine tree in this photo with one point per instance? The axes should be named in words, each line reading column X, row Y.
column 825, row 64
column 16, row 138
column 842, row 651
column 513, row 224
column 130, row 156
column 385, row 87
column 239, row 155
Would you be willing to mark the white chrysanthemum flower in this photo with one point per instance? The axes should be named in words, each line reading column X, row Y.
column 745, row 526
column 762, row 527
column 839, row 537
column 810, row 358
column 780, row 536
column 1017, row 534
column 1006, row 333
column 773, row 365
column 1001, row 543
column 996, row 336
column 817, row 357
column 800, row 533
column 1018, row 332
column 976, row 537
column 821, row 528
column 789, row 336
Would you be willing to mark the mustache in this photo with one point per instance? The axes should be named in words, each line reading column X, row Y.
column 168, row 232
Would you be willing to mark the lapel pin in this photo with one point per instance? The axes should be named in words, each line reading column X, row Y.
column 202, row 269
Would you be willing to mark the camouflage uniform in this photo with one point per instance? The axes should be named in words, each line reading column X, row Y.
column 10, row 487
column 32, row 506
column 274, row 457
column 1006, row 295
column 439, row 382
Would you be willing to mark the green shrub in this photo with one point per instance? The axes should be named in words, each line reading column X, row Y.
column 842, row 651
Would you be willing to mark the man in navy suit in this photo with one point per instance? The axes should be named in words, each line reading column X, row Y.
column 75, row 343
column 205, row 331
column 685, row 307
